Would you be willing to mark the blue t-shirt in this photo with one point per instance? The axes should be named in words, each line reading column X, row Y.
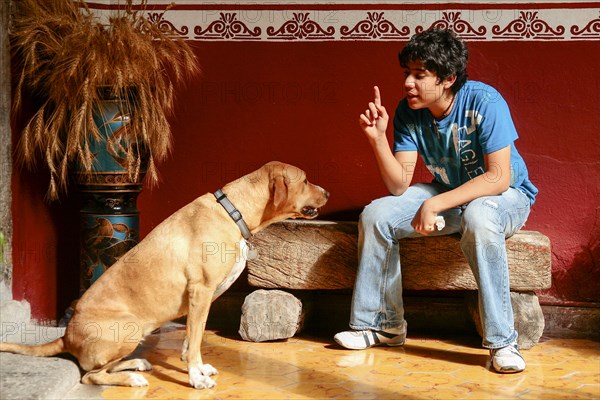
column 453, row 148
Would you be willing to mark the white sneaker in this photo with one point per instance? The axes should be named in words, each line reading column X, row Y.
column 360, row 340
column 507, row 360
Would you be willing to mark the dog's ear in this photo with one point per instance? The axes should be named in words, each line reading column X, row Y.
column 280, row 192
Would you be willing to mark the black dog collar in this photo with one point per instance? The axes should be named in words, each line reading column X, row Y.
column 234, row 213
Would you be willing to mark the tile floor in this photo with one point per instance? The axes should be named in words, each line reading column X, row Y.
column 316, row 368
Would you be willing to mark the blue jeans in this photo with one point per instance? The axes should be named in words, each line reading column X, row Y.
column 483, row 224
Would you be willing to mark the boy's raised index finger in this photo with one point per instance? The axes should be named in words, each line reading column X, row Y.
column 377, row 96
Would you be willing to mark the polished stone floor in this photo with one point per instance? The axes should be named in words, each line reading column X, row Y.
column 306, row 367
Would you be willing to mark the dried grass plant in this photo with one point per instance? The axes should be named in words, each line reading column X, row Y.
column 67, row 59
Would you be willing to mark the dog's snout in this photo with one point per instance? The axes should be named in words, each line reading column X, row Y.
column 324, row 192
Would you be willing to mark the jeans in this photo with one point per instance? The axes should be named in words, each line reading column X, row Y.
column 484, row 224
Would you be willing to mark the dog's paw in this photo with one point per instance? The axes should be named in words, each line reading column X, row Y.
column 208, row 370
column 143, row 365
column 137, row 380
column 199, row 380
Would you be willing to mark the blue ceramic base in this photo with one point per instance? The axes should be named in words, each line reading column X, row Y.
column 105, row 239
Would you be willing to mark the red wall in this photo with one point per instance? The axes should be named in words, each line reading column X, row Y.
column 299, row 103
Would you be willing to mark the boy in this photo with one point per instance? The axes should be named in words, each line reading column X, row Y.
column 464, row 133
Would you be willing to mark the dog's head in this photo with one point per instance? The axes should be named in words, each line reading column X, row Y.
column 273, row 193
column 292, row 195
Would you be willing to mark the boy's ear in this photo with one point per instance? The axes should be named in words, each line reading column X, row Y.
column 449, row 81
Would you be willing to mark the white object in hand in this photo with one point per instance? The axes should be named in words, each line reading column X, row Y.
column 440, row 223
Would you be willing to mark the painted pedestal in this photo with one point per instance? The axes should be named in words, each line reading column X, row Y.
column 109, row 213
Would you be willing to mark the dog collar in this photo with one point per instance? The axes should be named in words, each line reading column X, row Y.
column 234, row 213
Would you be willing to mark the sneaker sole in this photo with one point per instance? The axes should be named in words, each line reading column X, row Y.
column 394, row 344
column 509, row 370
column 368, row 347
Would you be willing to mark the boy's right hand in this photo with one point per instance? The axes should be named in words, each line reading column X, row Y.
column 375, row 119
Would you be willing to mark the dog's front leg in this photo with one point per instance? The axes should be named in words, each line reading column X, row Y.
column 199, row 373
column 185, row 346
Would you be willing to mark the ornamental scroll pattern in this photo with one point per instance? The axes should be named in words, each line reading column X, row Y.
column 453, row 21
column 528, row 26
column 165, row 25
column 589, row 31
column 375, row 26
column 300, row 27
column 228, row 26
column 330, row 24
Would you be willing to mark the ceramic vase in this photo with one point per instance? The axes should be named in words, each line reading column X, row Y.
column 109, row 213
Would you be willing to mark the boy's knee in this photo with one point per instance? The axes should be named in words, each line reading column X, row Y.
column 373, row 213
column 379, row 215
column 481, row 215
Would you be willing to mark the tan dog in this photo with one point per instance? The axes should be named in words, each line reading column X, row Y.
column 176, row 271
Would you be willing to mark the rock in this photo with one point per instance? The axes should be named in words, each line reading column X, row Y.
column 270, row 315
column 529, row 320
column 25, row 377
column 15, row 311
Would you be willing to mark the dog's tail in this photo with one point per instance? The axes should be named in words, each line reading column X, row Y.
column 43, row 350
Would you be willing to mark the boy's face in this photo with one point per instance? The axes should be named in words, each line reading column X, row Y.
column 423, row 87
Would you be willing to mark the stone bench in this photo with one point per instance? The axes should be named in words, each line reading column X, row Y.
column 322, row 255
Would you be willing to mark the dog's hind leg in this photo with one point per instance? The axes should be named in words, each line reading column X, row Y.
column 136, row 364
column 106, row 366
column 112, row 374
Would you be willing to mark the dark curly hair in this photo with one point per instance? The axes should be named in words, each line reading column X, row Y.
column 440, row 51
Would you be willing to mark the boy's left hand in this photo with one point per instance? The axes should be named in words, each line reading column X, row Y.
column 424, row 220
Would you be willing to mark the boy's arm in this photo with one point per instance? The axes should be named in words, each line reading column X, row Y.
column 494, row 181
column 396, row 169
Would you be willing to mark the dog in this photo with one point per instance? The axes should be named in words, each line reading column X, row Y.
column 178, row 269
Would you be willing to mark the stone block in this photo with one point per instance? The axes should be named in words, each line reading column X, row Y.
column 270, row 315
column 528, row 316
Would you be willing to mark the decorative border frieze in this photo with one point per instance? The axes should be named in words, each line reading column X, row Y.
column 330, row 22
column 589, row 31
column 227, row 27
column 375, row 26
